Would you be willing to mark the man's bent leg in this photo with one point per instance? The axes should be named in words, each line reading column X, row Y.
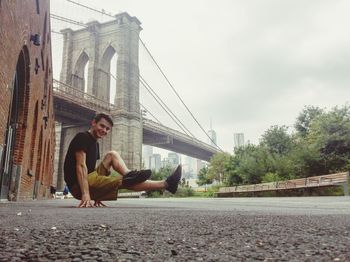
column 103, row 187
column 114, row 160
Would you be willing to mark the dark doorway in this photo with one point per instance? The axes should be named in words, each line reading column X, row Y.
column 18, row 89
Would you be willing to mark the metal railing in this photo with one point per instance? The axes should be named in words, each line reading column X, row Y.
column 78, row 96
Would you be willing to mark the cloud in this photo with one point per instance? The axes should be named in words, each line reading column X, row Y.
column 246, row 65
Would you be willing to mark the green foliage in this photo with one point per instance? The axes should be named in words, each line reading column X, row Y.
column 210, row 192
column 270, row 177
column 155, row 194
column 184, row 192
column 330, row 134
column 217, row 167
column 305, row 119
column 305, row 160
column 321, row 145
column 202, row 178
column 248, row 165
column 162, row 174
column 277, row 140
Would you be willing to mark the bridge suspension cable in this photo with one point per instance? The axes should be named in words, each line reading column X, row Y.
column 65, row 19
column 150, row 113
column 160, row 102
column 165, row 107
column 176, row 93
column 102, row 12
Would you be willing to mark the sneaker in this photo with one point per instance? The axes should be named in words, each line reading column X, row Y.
column 136, row 177
column 173, row 180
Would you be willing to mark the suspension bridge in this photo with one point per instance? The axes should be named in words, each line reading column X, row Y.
column 84, row 88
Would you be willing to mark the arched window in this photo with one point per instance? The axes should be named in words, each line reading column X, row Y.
column 80, row 74
column 108, row 75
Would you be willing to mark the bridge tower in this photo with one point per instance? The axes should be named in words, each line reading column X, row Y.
column 94, row 47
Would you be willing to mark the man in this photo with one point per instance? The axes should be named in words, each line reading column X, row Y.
column 53, row 192
column 87, row 183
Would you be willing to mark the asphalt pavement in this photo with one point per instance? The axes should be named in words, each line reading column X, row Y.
column 173, row 229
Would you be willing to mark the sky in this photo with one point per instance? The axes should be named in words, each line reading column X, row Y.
column 242, row 65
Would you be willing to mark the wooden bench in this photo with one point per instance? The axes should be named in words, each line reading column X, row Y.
column 338, row 179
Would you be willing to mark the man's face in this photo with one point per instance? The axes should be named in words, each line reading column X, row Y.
column 101, row 128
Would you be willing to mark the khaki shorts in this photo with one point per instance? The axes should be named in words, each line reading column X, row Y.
column 102, row 187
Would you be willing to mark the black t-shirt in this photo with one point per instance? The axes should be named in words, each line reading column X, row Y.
column 82, row 141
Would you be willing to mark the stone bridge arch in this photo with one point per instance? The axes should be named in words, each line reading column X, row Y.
column 104, row 71
column 78, row 75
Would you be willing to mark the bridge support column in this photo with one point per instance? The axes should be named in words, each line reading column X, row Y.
column 66, row 71
column 127, row 130
column 127, row 140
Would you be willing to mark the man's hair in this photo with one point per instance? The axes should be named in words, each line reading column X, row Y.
column 99, row 116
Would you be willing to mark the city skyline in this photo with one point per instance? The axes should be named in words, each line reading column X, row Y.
column 158, row 158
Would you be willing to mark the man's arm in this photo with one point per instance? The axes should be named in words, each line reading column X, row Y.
column 82, row 176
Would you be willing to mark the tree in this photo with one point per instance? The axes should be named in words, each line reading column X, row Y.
column 305, row 119
column 277, row 140
column 248, row 165
column 217, row 166
column 330, row 134
column 305, row 159
column 254, row 164
column 203, row 178
column 233, row 177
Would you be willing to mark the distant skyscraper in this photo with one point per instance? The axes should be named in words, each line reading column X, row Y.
column 212, row 134
column 188, row 167
column 238, row 140
column 173, row 159
column 155, row 162
column 147, row 152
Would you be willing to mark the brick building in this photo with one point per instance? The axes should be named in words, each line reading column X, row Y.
column 27, row 125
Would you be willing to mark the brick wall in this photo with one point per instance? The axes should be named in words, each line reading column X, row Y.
column 33, row 154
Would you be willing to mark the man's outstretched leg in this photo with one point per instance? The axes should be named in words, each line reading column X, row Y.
column 170, row 184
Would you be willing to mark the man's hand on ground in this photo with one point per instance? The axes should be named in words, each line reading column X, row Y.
column 99, row 204
column 85, row 201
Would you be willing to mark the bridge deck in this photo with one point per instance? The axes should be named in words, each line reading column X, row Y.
column 73, row 106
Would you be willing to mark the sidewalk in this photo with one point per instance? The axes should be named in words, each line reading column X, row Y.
column 146, row 230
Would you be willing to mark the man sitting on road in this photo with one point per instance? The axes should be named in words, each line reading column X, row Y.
column 86, row 183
